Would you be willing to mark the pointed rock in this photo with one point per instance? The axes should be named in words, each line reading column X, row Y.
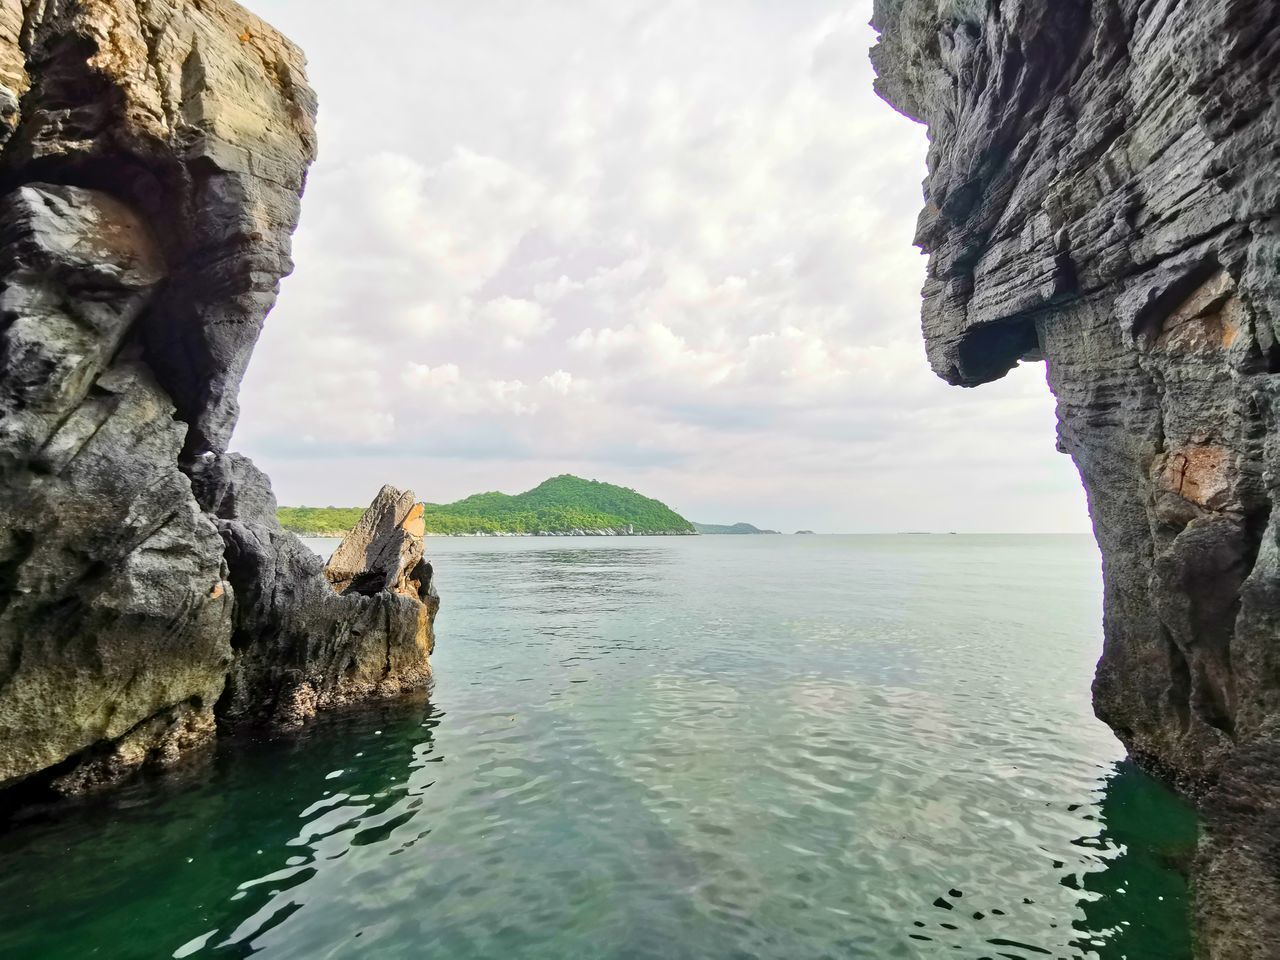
column 385, row 550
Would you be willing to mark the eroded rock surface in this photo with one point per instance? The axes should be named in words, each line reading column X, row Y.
column 1104, row 193
column 152, row 157
column 384, row 551
column 303, row 643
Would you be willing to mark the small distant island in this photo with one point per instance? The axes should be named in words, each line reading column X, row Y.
column 563, row 506
column 805, row 533
column 732, row 529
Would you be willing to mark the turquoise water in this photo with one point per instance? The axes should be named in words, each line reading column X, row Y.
column 719, row 747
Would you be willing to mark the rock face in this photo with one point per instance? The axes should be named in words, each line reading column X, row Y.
column 302, row 642
column 152, row 157
column 1104, row 194
column 384, row 550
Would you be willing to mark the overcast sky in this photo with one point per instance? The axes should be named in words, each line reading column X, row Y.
column 663, row 243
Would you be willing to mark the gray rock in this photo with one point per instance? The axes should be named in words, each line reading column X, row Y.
column 1104, row 194
column 153, row 156
column 114, row 605
column 384, row 551
column 300, row 644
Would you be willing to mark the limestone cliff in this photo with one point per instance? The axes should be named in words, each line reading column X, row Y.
column 152, row 157
column 1104, row 194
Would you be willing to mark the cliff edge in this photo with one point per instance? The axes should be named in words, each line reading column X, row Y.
column 1104, row 194
column 152, row 157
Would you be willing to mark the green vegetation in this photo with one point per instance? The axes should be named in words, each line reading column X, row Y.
column 319, row 521
column 560, row 505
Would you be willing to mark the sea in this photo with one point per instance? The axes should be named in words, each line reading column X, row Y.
column 729, row 747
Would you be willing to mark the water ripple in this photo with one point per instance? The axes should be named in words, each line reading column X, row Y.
column 655, row 752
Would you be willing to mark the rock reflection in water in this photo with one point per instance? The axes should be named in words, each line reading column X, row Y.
column 1130, row 879
column 1136, row 906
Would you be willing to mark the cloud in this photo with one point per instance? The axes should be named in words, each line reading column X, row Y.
column 512, row 321
column 667, row 244
column 419, row 376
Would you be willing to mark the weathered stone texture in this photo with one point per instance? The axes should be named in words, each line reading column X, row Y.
column 1104, row 193
column 303, row 644
column 384, row 550
column 152, row 158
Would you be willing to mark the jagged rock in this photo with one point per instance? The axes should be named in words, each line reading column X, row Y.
column 301, row 646
column 114, row 609
column 1104, row 194
column 384, row 551
column 152, row 158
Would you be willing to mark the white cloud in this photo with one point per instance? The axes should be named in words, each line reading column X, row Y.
column 512, row 320
column 419, row 376
column 560, row 382
column 667, row 244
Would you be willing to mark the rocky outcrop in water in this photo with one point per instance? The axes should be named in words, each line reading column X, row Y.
column 384, row 550
column 305, row 640
column 152, row 156
column 1104, row 194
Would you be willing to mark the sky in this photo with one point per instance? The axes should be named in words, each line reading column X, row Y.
column 662, row 243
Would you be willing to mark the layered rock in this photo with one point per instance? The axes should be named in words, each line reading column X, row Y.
column 1104, row 194
column 384, row 549
column 152, row 157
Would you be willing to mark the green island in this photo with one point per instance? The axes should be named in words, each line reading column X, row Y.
column 562, row 506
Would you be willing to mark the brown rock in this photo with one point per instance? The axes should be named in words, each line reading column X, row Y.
column 303, row 641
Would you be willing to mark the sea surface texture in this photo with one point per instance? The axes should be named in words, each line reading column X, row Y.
column 715, row 747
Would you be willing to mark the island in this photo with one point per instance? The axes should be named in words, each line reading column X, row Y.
column 564, row 506
column 731, row 530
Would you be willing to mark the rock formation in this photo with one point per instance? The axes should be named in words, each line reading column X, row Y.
column 305, row 638
column 1104, row 194
column 152, row 157
column 384, row 550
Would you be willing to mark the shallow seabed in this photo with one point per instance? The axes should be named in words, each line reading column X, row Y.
column 717, row 747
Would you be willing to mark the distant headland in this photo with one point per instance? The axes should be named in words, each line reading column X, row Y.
column 736, row 528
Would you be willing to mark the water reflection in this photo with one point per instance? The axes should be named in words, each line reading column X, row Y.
column 228, row 847
column 373, row 802
column 577, row 580
column 1136, row 907
column 1130, row 878
column 531, row 561
column 289, row 849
